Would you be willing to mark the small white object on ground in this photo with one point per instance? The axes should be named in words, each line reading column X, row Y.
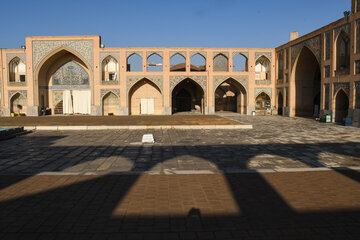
column 148, row 138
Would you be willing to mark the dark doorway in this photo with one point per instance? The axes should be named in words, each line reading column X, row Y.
column 341, row 106
column 280, row 104
column 187, row 96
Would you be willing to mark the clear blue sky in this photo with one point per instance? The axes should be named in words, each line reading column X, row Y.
column 168, row 23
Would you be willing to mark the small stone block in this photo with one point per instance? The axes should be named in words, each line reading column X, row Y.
column 148, row 138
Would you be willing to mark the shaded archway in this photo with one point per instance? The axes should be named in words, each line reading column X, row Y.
column 307, row 84
column 145, row 97
column 280, row 103
column 18, row 104
column 262, row 101
column 188, row 96
column 230, row 96
column 110, row 104
column 341, row 106
column 64, row 70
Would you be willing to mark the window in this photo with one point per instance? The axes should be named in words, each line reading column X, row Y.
column 327, row 71
column 17, row 70
column 327, row 45
column 280, row 65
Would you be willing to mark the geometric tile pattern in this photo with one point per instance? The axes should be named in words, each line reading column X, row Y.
column 346, row 28
column 223, row 53
column 314, row 44
column 82, row 47
column 266, row 54
column 357, row 95
column 183, row 53
column 201, row 80
column 342, row 85
column 243, row 80
column 148, row 54
column 11, row 93
column 201, row 53
column 327, row 96
column 128, row 54
column 131, row 80
column 103, row 92
column 268, row 91
column 245, row 54
column 57, row 96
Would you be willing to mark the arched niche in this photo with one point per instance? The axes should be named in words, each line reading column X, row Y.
column 110, row 104
column 231, row 96
column 109, row 69
column 187, row 96
column 220, row 63
column 307, row 76
column 262, row 68
column 262, row 101
column 145, row 98
column 342, row 53
column 240, row 63
column 18, row 104
column 341, row 106
column 17, row 70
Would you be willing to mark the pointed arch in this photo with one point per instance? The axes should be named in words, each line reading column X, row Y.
column 220, row 63
column 262, row 68
column 18, row 103
column 262, row 101
column 110, row 103
column 17, row 70
column 342, row 45
column 109, row 69
column 134, row 63
column 154, row 63
column 240, row 63
column 231, row 95
column 177, row 63
column 341, row 105
column 198, row 63
column 145, row 97
column 187, row 96
column 307, row 77
column 49, row 65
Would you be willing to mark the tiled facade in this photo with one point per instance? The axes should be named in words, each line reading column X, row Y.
column 41, row 55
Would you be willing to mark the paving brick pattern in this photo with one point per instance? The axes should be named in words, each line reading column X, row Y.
column 96, row 202
column 302, row 205
column 274, row 143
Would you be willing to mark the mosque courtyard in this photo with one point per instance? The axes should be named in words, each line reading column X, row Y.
column 287, row 178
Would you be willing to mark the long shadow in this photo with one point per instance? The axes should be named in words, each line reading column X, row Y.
column 97, row 206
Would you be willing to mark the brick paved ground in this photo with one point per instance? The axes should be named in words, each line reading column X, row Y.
column 297, row 205
column 274, row 143
column 302, row 205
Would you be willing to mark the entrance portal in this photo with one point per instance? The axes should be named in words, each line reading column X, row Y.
column 307, row 84
column 341, row 106
column 188, row 96
column 230, row 96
